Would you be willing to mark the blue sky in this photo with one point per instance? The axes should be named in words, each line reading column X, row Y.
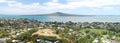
column 81, row 7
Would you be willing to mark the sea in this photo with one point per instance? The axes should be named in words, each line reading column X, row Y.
column 89, row 18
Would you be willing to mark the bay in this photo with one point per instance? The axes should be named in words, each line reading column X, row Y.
column 94, row 18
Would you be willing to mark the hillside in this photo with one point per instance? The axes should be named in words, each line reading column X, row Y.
column 46, row 32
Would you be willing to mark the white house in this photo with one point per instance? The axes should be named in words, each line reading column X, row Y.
column 104, row 40
column 96, row 40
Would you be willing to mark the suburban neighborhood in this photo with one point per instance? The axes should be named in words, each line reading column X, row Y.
column 21, row 30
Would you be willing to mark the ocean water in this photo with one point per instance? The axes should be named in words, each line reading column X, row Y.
column 99, row 18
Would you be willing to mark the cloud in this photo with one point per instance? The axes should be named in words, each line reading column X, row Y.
column 54, row 4
column 2, row 1
column 55, row 1
column 93, row 3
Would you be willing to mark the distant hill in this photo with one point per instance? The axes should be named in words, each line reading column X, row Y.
column 57, row 14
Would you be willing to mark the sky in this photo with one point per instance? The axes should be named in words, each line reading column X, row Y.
column 80, row 7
